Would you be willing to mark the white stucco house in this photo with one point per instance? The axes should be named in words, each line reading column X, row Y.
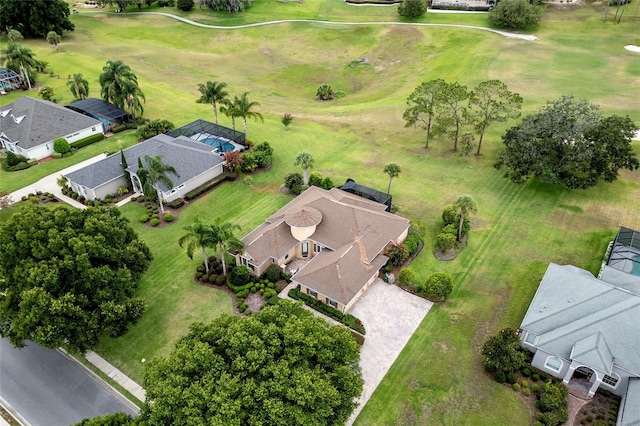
column 28, row 126
column 335, row 240
column 582, row 327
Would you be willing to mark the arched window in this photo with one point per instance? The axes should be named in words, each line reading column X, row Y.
column 553, row 363
column 611, row 380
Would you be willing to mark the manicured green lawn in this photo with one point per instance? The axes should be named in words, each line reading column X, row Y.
column 438, row 377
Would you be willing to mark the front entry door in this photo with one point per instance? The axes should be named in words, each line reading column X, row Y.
column 305, row 249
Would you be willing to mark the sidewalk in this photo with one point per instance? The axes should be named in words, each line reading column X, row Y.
column 50, row 184
column 116, row 375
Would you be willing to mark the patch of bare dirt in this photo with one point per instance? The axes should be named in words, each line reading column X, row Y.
column 254, row 301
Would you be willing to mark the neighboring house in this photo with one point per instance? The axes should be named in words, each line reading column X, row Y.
column 107, row 113
column 195, row 163
column 585, row 328
column 341, row 237
column 29, row 126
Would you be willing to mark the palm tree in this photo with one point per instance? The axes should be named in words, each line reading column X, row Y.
column 198, row 235
column 54, row 38
column 156, row 172
column 242, row 108
column 79, row 86
column 132, row 99
column 19, row 58
column 393, row 170
column 115, row 78
column 222, row 233
column 464, row 206
column 228, row 109
column 305, row 160
column 213, row 93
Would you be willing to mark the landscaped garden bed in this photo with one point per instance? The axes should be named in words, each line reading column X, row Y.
column 346, row 319
column 40, row 198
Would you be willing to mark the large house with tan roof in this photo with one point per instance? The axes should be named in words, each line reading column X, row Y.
column 585, row 329
column 332, row 241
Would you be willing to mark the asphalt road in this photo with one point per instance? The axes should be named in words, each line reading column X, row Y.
column 48, row 388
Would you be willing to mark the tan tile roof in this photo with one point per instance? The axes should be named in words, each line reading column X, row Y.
column 347, row 221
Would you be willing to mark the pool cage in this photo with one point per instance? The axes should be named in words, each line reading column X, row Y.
column 206, row 127
column 625, row 253
column 9, row 79
column 365, row 192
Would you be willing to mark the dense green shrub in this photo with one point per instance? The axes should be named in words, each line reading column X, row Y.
column 315, row 179
column 154, row 221
column 273, row 273
column 501, row 377
column 209, row 185
column 213, row 278
column 294, row 182
column 445, row 241
column 13, row 162
column 87, row 141
column 264, row 147
column 262, row 159
column 56, row 155
column 220, row 279
column 512, row 378
column 525, row 384
column 535, row 377
column 412, row 8
column 449, row 214
column 438, row 286
column 526, row 392
column 515, row 14
column 352, row 322
column 168, row 217
column 406, row 276
column 516, row 387
column 185, row 5
column 327, row 183
column 176, row 204
column 249, row 163
column 526, row 372
column 61, row 145
column 412, row 242
column 119, row 128
column 144, row 218
column 239, row 276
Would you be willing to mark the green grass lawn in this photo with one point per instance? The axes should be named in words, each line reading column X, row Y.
column 438, row 377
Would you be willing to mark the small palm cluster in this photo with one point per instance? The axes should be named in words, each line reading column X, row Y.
column 213, row 93
column 119, row 85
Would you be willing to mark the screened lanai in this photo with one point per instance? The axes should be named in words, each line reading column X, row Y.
column 109, row 114
column 355, row 188
column 9, row 79
column 625, row 253
column 209, row 133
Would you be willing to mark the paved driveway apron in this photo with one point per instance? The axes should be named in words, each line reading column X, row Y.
column 390, row 315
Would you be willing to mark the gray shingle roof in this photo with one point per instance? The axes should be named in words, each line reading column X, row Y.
column 571, row 306
column 631, row 408
column 188, row 157
column 43, row 121
column 594, row 352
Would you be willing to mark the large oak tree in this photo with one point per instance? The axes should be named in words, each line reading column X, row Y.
column 67, row 276
column 35, row 18
column 568, row 143
column 282, row 366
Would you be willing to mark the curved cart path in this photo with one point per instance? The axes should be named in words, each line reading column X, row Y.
column 314, row 21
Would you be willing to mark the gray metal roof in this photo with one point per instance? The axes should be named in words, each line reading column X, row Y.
column 188, row 157
column 42, row 121
column 571, row 306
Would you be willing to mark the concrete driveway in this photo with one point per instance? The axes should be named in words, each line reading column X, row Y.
column 390, row 315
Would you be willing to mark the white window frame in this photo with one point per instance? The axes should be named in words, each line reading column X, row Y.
column 332, row 303
column 551, row 366
column 312, row 293
column 611, row 380
column 530, row 338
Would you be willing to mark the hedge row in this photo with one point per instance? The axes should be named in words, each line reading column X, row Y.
column 209, row 185
column 348, row 319
column 20, row 166
column 87, row 141
column 119, row 128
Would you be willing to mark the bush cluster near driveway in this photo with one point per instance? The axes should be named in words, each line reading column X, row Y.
column 346, row 319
